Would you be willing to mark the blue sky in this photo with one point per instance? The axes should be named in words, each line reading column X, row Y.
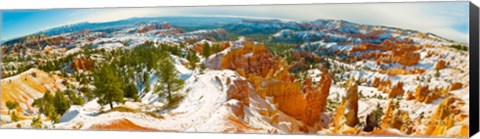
column 447, row 19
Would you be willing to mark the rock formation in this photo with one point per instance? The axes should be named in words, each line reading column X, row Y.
column 155, row 26
column 398, row 119
column 444, row 118
column 397, row 90
column 254, row 58
column 456, row 85
column 410, row 96
column 402, row 51
column 440, row 65
column 424, row 94
column 270, row 77
column 373, row 119
column 82, row 63
column 352, row 103
column 386, row 87
column 239, row 90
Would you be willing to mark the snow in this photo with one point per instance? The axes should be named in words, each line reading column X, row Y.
column 204, row 104
column 69, row 115
column 110, row 46
column 72, row 51
column 206, row 107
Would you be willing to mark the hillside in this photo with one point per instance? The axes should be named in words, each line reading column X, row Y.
column 239, row 76
column 26, row 87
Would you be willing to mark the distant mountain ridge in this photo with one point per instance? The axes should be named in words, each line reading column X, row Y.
column 236, row 25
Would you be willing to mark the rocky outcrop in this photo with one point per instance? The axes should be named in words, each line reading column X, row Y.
column 410, row 96
column 386, row 87
column 401, row 71
column 237, row 108
column 373, row 119
column 440, row 65
column 270, row 78
column 155, row 26
column 398, row 119
column 323, row 89
column 402, row 51
column 239, row 90
column 82, row 63
column 383, row 85
column 397, row 90
column 303, row 103
column 444, row 118
column 421, row 93
column 121, row 124
column 346, row 114
column 425, row 95
column 455, row 86
column 254, row 58
column 307, row 56
column 352, row 103
column 408, row 59
column 376, row 82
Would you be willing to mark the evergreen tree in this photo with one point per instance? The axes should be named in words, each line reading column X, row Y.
column 46, row 106
column 73, row 98
column 14, row 117
column 36, row 122
column 61, row 102
column 131, row 91
column 217, row 48
column 11, row 105
column 146, row 82
column 40, row 103
column 202, row 68
column 108, row 87
column 206, row 50
column 84, row 81
column 193, row 59
column 168, row 78
column 87, row 92
column 182, row 46
column 175, row 50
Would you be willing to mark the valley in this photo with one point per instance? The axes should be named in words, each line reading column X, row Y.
column 237, row 75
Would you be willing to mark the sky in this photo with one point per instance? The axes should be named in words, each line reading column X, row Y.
column 446, row 19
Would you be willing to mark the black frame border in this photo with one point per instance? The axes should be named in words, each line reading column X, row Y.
column 474, row 69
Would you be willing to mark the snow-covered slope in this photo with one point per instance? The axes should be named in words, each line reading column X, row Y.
column 205, row 108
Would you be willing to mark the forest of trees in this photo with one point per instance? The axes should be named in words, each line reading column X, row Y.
column 121, row 74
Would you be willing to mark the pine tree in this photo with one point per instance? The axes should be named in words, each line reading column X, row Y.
column 11, row 105
column 73, row 98
column 193, row 59
column 131, row 91
column 168, row 78
column 40, row 103
column 202, row 68
column 146, row 82
column 84, row 81
column 206, row 50
column 46, row 106
column 36, row 122
column 108, row 87
column 175, row 50
column 60, row 102
column 14, row 117
column 217, row 48
column 87, row 92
